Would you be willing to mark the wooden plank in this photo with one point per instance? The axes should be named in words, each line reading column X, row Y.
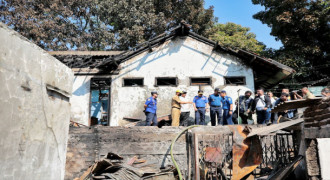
column 295, row 104
column 274, row 127
column 285, row 172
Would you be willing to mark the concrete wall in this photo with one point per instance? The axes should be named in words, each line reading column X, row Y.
column 183, row 58
column 323, row 146
column 34, row 110
column 80, row 99
column 85, row 146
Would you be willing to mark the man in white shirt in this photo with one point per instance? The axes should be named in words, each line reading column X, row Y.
column 261, row 105
column 185, row 110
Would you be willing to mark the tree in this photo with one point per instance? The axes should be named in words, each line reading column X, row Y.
column 102, row 24
column 235, row 36
column 303, row 27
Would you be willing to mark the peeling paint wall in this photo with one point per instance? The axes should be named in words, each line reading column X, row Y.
column 34, row 110
column 183, row 58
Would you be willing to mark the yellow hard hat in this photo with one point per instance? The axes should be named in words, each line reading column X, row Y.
column 178, row 91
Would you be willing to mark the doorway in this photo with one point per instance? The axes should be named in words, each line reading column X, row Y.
column 100, row 101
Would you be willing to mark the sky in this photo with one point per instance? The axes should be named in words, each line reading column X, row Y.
column 241, row 12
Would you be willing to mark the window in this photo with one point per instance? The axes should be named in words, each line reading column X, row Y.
column 133, row 82
column 200, row 81
column 235, row 81
column 168, row 81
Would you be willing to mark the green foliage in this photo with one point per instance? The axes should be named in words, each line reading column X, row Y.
column 101, row 24
column 303, row 27
column 235, row 36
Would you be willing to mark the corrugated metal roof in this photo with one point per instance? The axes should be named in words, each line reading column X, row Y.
column 84, row 53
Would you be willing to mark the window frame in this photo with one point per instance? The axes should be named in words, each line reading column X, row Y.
column 176, row 81
column 206, row 77
column 131, row 78
column 244, row 80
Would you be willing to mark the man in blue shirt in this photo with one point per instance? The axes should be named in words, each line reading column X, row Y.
column 200, row 105
column 215, row 107
column 227, row 108
column 150, row 109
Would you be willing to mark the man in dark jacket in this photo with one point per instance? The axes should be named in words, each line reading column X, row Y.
column 261, row 105
column 245, row 105
column 287, row 113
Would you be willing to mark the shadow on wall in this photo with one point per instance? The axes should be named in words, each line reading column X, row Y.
column 222, row 61
column 168, row 49
column 83, row 88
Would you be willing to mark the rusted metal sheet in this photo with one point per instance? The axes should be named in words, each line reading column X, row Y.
column 295, row 104
column 213, row 154
column 247, row 152
column 228, row 152
column 113, row 167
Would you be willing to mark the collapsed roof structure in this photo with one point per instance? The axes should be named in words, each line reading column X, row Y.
column 267, row 72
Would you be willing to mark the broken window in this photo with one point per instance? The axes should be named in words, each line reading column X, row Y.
column 100, row 101
column 133, row 82
column 166, row 81
column 235, row 80
column 200, row 81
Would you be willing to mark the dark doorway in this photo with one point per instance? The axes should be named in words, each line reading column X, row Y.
column 100, row 101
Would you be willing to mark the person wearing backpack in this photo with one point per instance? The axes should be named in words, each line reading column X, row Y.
column 261, row 106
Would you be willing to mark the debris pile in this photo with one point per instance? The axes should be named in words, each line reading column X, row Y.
column 114, row 166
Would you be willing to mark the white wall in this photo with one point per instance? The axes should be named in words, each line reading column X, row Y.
column 34, row 125
column 182, row 58
column 323, row 146
column 80, row 99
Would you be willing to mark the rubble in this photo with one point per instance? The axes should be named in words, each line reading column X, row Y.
column 114, row 167
column 276, row 151
column 285, row 171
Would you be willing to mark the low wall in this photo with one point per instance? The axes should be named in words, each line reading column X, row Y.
column 87, row 145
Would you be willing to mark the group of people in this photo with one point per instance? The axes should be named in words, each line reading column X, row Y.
column 220, row 107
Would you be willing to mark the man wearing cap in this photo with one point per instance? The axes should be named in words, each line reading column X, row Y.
column 185, row 110
column 150, row 109
column 200, row 105
column 227, row 108
column 176, row 107
column 215, row 107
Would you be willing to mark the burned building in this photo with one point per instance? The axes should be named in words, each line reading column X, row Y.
column 111, row 86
